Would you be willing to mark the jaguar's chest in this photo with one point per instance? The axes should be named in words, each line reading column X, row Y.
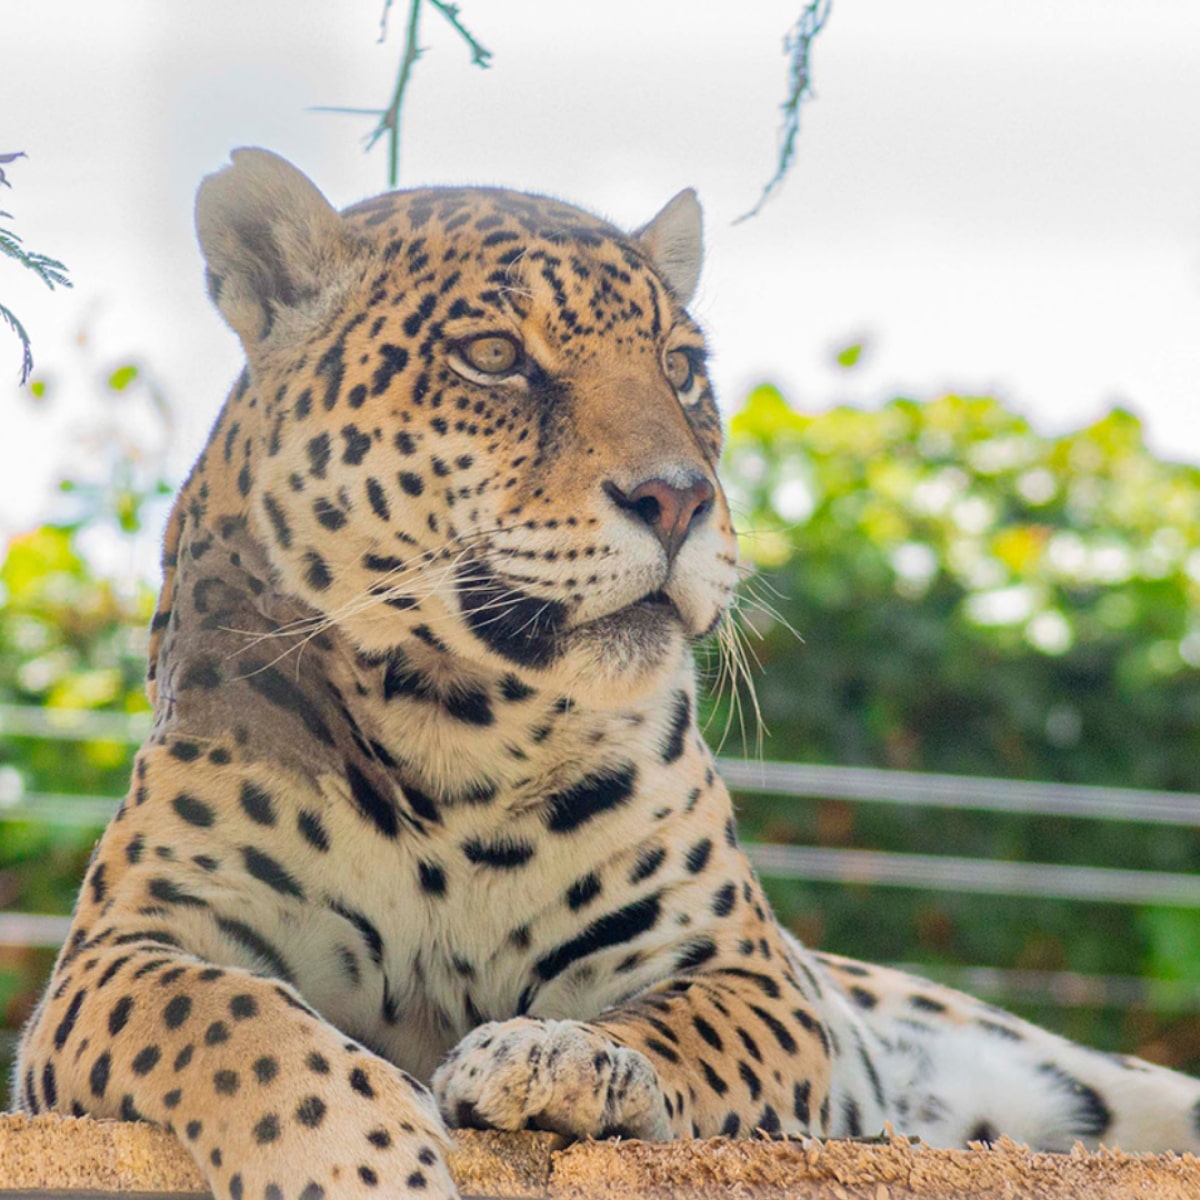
column 409, row 943
column 462, row 847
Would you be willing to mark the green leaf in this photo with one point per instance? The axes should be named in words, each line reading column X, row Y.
column 848, row 356
column 1174, row 942
column 765, row 415
column 128, row 511
column 122, row 377
column 38, row 388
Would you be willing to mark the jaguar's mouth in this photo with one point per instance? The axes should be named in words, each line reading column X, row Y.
column 653, row 614
column 533, row 632
column 657, row 601
column 636, row 636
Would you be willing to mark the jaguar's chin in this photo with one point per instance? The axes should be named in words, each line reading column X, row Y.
column 638, row 640
column 636, row 644
column 628, row 649
column 646, row 622
column 614, row 655
column 659, row 614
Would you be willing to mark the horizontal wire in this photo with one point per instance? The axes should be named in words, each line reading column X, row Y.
column 816, row 864
column 944, row 872
column 920, row 789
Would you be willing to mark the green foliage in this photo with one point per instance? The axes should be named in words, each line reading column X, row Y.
column 49, row 270
column 1029, row 604
column 69, row 636
column 68, row 639
column 849, row 356
column 122, row 377
column 73, row 638
column 975, row 598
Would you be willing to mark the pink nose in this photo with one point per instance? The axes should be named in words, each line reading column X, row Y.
column 669, row 511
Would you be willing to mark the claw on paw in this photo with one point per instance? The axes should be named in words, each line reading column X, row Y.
column 556, row 1075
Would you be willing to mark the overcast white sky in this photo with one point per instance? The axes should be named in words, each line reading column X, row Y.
column 999, row 194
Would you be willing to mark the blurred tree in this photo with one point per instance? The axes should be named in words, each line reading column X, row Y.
column 972, row 596
column 976, row 598
column 72, row 636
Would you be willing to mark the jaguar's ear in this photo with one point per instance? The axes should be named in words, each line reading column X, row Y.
column 275, row 249
column 675, row 242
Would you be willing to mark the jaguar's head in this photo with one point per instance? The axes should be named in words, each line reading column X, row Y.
column 476, row 418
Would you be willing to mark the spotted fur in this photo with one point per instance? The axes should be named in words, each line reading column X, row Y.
column 425, row 803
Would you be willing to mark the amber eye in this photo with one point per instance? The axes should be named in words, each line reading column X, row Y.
column 678, row 368
column 491, row 353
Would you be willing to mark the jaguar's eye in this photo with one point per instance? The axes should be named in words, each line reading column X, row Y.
column 491, row 353
column 678, row 369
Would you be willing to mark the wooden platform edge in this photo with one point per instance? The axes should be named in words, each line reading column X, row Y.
column 64, row 1154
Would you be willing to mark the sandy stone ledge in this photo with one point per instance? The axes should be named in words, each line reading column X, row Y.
column 61, row 1154
column 893, row 1170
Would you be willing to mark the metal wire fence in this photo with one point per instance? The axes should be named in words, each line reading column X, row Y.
column 1100, row 885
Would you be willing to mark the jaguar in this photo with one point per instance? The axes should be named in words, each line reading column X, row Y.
column 425, row 834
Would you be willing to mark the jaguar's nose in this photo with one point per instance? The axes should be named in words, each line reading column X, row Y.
column 667, row 509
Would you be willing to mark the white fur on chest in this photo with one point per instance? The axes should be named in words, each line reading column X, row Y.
column 469, row 951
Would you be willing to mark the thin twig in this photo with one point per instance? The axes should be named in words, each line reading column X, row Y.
column 797, row 45
column 383, row 20
column 341, row 108
column 480, row 55
column 10, row 318
column 389, row 123
column 388, row 119
column 8, row 158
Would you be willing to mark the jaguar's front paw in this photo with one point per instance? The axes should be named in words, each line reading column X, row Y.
column 555, row 1075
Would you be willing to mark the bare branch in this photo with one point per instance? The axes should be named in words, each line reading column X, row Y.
column 388, row 122
column 480, row 55
column 383, row 20
column 342, row 108
column 10, row 318
column 797, row 46
column 7, row 158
